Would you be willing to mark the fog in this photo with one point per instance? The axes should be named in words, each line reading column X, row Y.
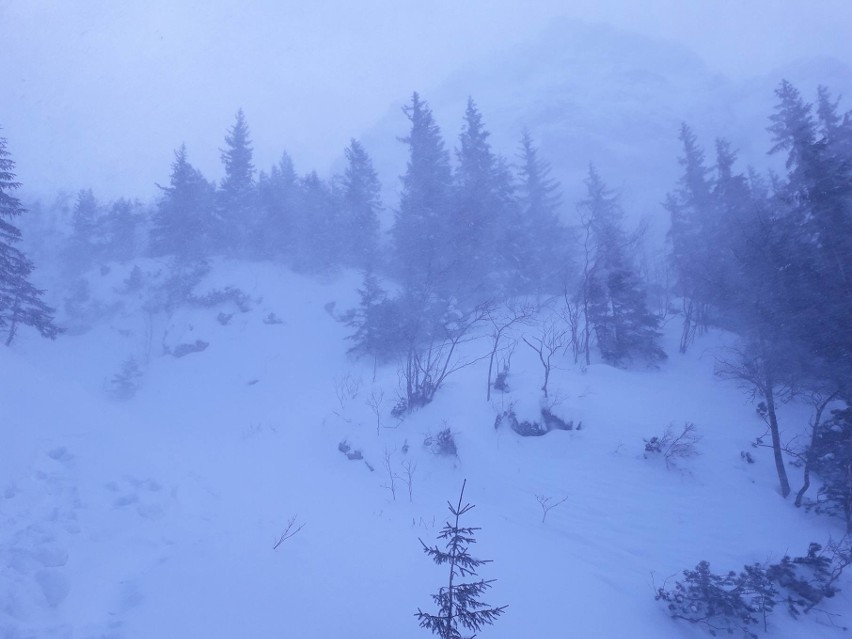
column 98, row 94
column 277, row 280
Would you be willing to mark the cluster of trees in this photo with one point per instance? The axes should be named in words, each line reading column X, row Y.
column 470, row 234
column 771, row 259
column 308, row 223
column 471, row 229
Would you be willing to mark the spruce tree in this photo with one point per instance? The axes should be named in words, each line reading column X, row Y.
column 86, row 242
column 616, row 296
column 459, row 604
column 361, row 203
column 20, row 301
column 236, row 198
column 816, row 198
column 183, row 221
column 121, row 225
column 693, row 247
column 422, row 255
column 378, row 331
column 318, row 232
column 538, row 239
column 482, row 211
column 278, row 194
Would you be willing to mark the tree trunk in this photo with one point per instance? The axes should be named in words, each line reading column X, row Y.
column 491, row 365
column 809, row 455
column 776, row 439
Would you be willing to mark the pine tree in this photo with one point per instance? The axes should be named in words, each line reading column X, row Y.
column 693, row 243
column 20, row 301
column 459, row 604
column 278, row 194
column 422, row 256
column 538, row 239
column 616, row 297
column 121, row 224
column 236, row 198
column 361, row 202
column 817, row 196
column 86, row 242
column 482, row 211
column 376, row 322
column 318, row 232
column 183, row 220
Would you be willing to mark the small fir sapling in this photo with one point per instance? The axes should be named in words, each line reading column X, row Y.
column 459, row 605
column 125, row 383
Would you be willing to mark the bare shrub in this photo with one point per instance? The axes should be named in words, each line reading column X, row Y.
column 550, row 340
column 547, row 504
column 289, row 531
column 673, row 445
column 346, row 389
column 375, row 401
column 409, row 467
column 428, row 363
column 502, row 321
column 392, row 476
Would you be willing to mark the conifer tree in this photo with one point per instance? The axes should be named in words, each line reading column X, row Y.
column 376, row 322
column 692, row 209
column 617, row 301
column 120, row 229
column 236, row 198
column 816, row 197
column 422, row 226
column 482, row 211
column 361, row 202
column 85, row 244
column 278, row 193
column 318, row 232
column 538, row 239
column 183, row 220
column 20, row 301
column 459, row 605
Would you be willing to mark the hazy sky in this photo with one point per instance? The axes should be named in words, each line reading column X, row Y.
column 99, row 92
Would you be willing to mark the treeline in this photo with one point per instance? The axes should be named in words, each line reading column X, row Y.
column 767, row 256
column 471, row 227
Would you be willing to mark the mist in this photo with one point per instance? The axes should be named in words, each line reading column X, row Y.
column 287, row 289
column 98, row 95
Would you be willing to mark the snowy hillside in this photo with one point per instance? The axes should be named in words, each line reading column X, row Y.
column 144, row 500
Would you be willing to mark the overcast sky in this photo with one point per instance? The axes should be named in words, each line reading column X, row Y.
column 99, row 92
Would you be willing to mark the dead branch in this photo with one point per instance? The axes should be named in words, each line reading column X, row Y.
column 289, row 531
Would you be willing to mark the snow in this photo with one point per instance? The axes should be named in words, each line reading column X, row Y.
column 156, row 516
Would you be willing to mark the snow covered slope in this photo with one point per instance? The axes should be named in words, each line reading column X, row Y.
column 156, row 515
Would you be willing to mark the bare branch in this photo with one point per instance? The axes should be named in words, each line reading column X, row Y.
column 547, row 504
column 289, row 531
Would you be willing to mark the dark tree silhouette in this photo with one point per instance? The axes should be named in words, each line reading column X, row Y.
column 459, row 606
column 183, row 219
column 20, row 301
